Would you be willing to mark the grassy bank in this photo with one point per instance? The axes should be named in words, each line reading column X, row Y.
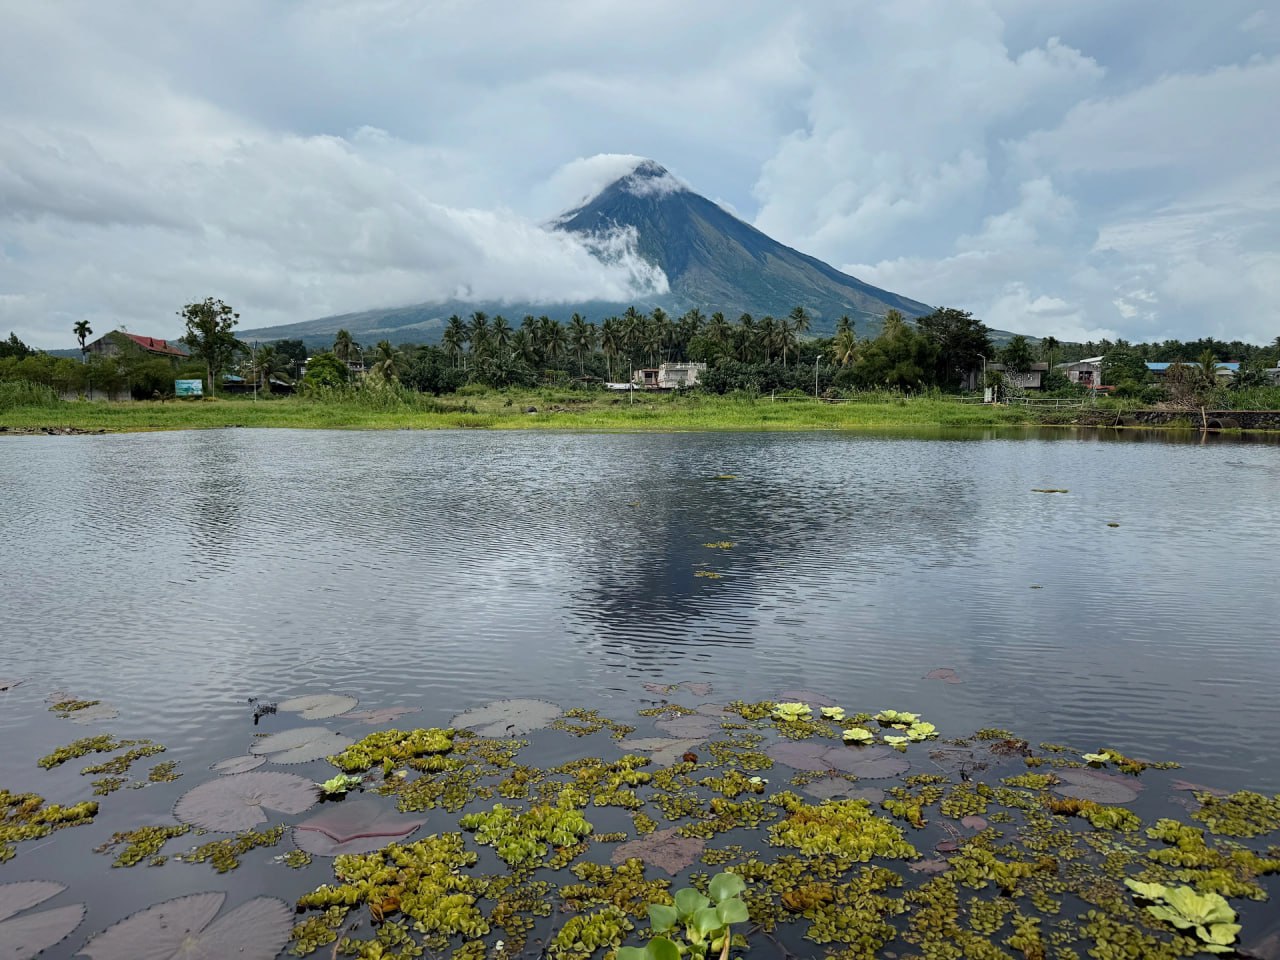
column 554, row 410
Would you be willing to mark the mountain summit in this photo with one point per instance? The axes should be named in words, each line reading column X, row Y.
column 712, row 261
column 715, row 261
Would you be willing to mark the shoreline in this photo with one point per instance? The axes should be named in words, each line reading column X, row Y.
column 540, row 411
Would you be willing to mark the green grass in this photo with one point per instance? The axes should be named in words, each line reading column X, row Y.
column 496, row 410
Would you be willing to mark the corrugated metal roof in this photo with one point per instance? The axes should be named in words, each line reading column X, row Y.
column 1162, row 366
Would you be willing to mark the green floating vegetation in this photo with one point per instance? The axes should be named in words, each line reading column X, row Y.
column 296, row 859
column 103, row 743
column 392, row 747
column 225, row 854
column 141, row 844
column 522, row 839
column 997, row 866
column 24, row 816
column 163, row 772
column 65, row 708
column 122, row 763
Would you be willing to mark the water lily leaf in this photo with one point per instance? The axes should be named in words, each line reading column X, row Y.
column 382, row 715
column 238, row 802
column 665, row 750
column 241, row 764
column 831, row 786
column 1198, row 788
column 874, row 763
column 255, row 930
column 8, row 683
column 318, row 706
column 973, row 823
column 698, row 689
column 806, row 696
column 801, row 754
column 690, row 725
column 24, row 937
column 353, row 826
column 953, row 759
column 1096, row 786
column 945, row 674
column 508, row 718
column 300, row 745
column 664, row 849
column 930, row 867
column 712, row 710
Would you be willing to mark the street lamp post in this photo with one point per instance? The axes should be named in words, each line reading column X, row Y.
column 815, row 375
column 984, row 375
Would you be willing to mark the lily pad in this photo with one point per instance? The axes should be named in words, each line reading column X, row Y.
column 835, row 785
column 256, row 930
column 664, row 849
column 954, row 759
column 318, row 706
column 1198, row 788
column 930, row 867
column 237, row 765
column 300, row 745
column 805, row 696
column 508, row 718
column 24, row 937
column 697, row 688
column 945, row 674
column 381, row 715
column 239, row 801
column 973, row 822
column 8, row 683
column 1096, row 786
column 801, row 754
column 353, row 826
column 689, row 725
column 869, row 763
column 666, row 750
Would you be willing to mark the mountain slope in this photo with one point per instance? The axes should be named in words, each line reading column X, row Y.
column 715, row 261
column 712, row 260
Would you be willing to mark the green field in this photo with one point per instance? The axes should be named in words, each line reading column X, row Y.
column 561, row 410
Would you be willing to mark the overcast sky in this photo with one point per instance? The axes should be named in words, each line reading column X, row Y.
column 1080, row 169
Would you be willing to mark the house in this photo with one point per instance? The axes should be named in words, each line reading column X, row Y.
column 118, row 341
column 1031, row 379
column 1225, row 370
column 669, row 376
column 1086, row 372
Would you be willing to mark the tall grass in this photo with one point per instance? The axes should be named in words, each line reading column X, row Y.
column 24, row 393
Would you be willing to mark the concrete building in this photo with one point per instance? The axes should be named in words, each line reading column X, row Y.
column 669, row 376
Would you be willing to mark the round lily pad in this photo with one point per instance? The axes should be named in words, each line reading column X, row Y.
column 690, row 725
column 241, row 764
column 353, row 826
column 805, row 696
column 666, row 750
column 801, row 754
column 507, row 718
column 1096, row 786
column 318, row 706
column 300, row 745
column 664, row 849
column 238, row 802
column 256, row 930
column 22, row 938
column 381, row 715
column 873, row 763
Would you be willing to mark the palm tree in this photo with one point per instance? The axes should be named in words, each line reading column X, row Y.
column 800, row 320
column 269, row 364
column 787, row 338
column 552, row 338
column 1207, row 368
column 478, row 330
column 582, row 339
column 688, row 328
column 82, row 332
column 746, row 338
column 345, row 348
column 611, row 342
column 501, row 334
column 658, row 334
column 387, row 362
column 844, row 345
column 719, row 331
column 767, row 336
column 523, row 347
column 454, row 337
column 633, row 324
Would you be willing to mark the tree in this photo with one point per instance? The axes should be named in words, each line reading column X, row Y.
column 844, row 345
column 959, row 343
column 1122, row 365
column 611, row 342
column 82, row 331
column 209, row 326
column 387, row 362
column 454, row 338
column 582, row 339
column 13, row 347
column 344, row 347
column 270, row 364
column 325, row 370
column 898, row 358
column 1016, row 356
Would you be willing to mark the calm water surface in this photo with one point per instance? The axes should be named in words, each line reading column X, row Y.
column 178, row 574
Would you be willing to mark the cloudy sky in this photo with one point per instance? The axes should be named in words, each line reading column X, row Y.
column 1080, row 169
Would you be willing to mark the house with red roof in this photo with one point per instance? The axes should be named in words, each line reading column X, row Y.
column 118, row 341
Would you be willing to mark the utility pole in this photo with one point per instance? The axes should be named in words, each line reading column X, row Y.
column 815, row 375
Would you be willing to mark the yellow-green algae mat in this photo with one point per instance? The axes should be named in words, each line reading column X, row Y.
column 866, row 834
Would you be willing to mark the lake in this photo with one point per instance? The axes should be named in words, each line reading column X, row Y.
column 176, row 575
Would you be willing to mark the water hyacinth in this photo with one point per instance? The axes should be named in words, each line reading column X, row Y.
column 833, row 713
column 791, row 712
column 858, row 735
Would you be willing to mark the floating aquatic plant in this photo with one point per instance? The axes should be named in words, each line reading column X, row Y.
column 522, row 838
column 300, row 745
column 24, row 816
column 239, row 801
column 507, row 718
column 1096, row 786
column 238, row 764
column 1207, row 914
column 23, row 937
column 381, row 715
column 1240, row 814
column 858, row 735
column 832, row 713
column 225, row 854
column 665, row 750
column 141, row 844
column 318, row 706
column 185, row 927
column 666, row 850
column 705, row 921
column 339, row 785
column 945, row 674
